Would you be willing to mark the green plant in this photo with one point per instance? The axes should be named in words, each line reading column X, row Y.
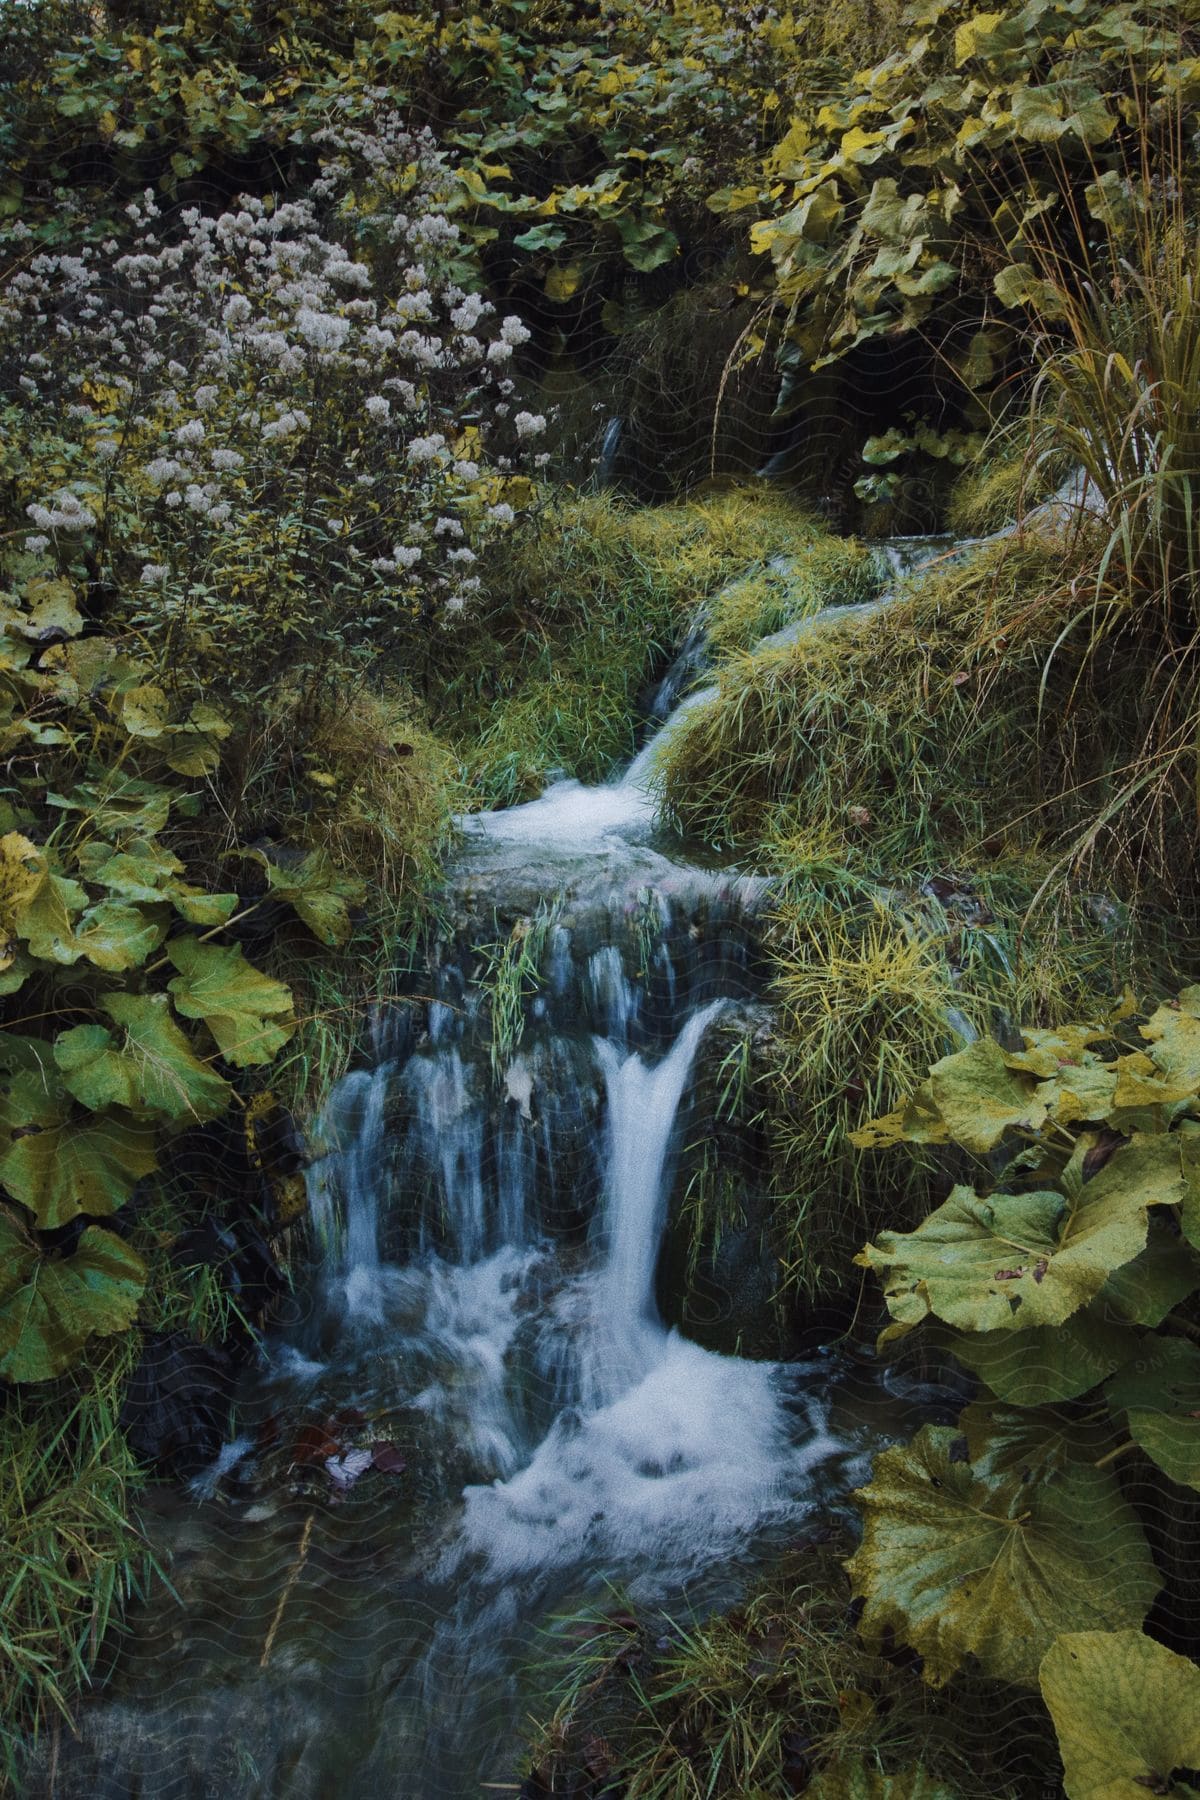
column 70, row 1556
column 1064, row 1276
column 514, row 974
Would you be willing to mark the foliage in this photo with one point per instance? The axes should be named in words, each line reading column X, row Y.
column 69, row 1556
column 580, row 618
column 906, row 202
column 1067, row 1275
column 776, row 1694
column 1127, row 1712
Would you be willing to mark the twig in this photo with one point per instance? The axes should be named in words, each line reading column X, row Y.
column 289, row 1584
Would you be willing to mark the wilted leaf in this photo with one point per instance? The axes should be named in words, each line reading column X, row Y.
column 1160, row 1396
column 50, row 1306
column 1127, row 1714
column 960, row 1564
column 240, row 1005
column 1019, row 1260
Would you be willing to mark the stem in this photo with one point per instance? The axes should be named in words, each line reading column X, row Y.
column 1103, row 1461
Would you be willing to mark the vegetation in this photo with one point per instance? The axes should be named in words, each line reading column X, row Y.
column 312, row 324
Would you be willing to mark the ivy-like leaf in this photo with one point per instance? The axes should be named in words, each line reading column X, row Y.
column 961, row 1564
column 242, row 1007
column 1127, row 1714
column 50, row 1306
column 317, row 892
column 1050, row 1363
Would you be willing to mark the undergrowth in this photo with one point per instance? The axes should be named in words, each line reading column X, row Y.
column 774, row 1698
column 583, row 617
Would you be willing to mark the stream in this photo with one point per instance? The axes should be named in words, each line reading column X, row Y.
column 482, row 1418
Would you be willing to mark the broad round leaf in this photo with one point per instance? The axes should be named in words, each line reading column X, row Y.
column 148, row 1066
column 85, row 1165
column 1049, row 1363
column 318, row 893
column 1127, row 1714
column 1019, row 1260
column 1160, row 1397
column 50, row 1306
column 115, row 936
column 957, row 1563
column 240, row 1005
column 980, row 1098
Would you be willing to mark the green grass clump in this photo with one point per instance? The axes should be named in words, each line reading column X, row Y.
column 870, row 991
column 70, row 1558
column 827, row 571
column 761, row 1701
column 912, row 733
column 583, row 615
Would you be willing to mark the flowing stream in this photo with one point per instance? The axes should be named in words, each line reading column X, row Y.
column 490, row 1316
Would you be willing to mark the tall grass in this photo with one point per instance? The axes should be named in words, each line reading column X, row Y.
column 70, row 1557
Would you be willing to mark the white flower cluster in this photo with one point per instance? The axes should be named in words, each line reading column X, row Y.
column 228, row 370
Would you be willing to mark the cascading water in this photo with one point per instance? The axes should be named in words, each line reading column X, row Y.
column 492, row 1230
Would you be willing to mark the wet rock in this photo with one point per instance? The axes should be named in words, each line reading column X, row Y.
column 176, row 1408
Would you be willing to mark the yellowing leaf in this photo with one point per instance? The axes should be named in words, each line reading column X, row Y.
column 961, row 1563
column 1127, row 1714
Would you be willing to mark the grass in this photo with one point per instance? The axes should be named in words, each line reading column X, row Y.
column 514, row 966
column 908, row 736
column 70, row 1558
column 869, row 993
column 759, row 1701
column 583, row 617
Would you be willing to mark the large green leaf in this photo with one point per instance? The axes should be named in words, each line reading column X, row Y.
column 1050, row 1363
column 119, row 805
column 116, row 936
column 1019, row 1260
column 83, row 1165
column 1159, row 1394
column 50, row 1306
column 317, row 892
column 959, row 1563
column 1127, row 1714
column 242, row 1007
column 144, row 870
column 148, row 1065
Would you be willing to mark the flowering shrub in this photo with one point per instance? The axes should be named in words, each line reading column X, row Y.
column 288, row 427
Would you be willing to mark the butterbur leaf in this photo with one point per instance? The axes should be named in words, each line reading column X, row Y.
column 50, row 1306
column 1145, row 1290
column 119, row 806
column 980, row 1098
column 959, row 1563
column 148, row 1065
column 37, row 904
column 853, row 1780
column 145, row 871
column 50, row 610
column 116, row 936
column 1050, row 1363
column 1160, row 1397
column 1031, row 1442
column 1014, row 1261
column 248, row 1014
column 318, row 893
column 83, row 1165
column 1127, row 1714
